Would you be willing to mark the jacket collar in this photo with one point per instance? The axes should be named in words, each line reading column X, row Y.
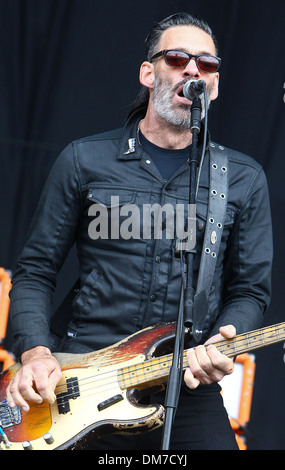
column 130, row 147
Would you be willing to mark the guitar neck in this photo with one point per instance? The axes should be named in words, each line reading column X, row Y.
column 156, row 370
column 256, row 339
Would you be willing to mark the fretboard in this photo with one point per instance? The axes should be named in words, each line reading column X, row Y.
column 156, row 370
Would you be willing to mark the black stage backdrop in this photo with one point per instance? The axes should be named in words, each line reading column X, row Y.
column 69, row 68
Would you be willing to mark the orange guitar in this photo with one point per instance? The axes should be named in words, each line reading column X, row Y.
column 99, row 392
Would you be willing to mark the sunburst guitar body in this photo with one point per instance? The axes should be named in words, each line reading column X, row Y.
column 99, row 392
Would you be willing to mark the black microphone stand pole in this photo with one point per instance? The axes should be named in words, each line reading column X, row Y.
column 190, row 252
column 185, row 319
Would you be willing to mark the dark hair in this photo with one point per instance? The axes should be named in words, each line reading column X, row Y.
column 152, row 43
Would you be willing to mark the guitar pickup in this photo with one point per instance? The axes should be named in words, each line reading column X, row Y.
column 71, row 393
column 73, row 388
column 63, row 403
column 111, row 401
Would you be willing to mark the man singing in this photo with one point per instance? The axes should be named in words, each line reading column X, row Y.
column 130, row 283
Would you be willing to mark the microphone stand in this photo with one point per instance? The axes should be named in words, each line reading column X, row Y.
column 190, row 251
column 185, row 319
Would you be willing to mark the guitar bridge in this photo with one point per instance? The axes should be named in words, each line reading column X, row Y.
column 9, row 416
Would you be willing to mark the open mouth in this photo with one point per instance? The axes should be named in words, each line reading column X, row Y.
column 181, row 96
column 180, row 92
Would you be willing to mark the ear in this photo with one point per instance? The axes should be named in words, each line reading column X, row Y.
column 215, row 93
column 147, row 76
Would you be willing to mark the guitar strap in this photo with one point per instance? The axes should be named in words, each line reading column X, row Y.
column 217, row 205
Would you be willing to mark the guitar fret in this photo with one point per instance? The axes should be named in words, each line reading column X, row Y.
column 121, row 377
column 130, row 376
column 156, row 370
column 221, row 348
column 144, row 374
column 163, row 364
column 151, row 368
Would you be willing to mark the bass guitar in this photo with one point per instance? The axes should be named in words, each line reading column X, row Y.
column 99, row 392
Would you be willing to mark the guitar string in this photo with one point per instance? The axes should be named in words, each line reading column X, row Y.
column 155, row 363
column 36, row 408
column 155, row 366
column 139, row 369
column 241, row 340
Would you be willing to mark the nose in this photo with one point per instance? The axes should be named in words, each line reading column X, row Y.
column 191, row 70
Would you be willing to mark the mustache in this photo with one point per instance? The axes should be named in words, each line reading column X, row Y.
column 166, row 85
column 180, row 84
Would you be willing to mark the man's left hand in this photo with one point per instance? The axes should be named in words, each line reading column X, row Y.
column 206, row 363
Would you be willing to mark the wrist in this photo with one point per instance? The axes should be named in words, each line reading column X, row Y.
column 38, row 351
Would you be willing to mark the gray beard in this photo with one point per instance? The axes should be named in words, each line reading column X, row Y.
column 162, row 103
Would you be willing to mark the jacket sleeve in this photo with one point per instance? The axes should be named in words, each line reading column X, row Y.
column 248, row 262
column 51, row 235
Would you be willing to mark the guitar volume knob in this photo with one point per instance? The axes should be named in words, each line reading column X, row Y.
column 27, row 445
column 48, row 438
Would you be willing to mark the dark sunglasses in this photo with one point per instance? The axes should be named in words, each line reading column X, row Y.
column 205, row 62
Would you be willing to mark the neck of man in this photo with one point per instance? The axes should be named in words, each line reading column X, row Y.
column 163, row 134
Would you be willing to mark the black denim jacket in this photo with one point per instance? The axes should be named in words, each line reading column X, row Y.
column 129, row 284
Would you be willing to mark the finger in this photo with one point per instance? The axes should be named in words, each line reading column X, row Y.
column 190, row 380
column 208, row 365
column 14, row 397
column 54, row 378
column 44, row 383
column 220, row 362
column 15, row 394
column 200, row 364
column 47, row 379
column 227, row 331
column 26, row 386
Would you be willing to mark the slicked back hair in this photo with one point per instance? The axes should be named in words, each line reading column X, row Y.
column 152, row 42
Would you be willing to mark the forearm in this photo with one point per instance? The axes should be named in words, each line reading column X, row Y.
column 244, row 314
column 29, row 312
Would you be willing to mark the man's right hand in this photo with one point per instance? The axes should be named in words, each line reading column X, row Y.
column 36, row 380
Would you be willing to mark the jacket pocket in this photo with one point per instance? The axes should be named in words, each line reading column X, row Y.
column 83, row 300
column 111, row 197
column 107, row 209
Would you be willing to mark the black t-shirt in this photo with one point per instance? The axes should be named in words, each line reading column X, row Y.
column 167, row 161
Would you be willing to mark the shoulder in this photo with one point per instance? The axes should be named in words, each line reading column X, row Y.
column 244, row 171
column 111, row 135
column 246, row 177
column 237, row 158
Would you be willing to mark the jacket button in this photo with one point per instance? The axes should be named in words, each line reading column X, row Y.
column 200, row 226
column 152, row 298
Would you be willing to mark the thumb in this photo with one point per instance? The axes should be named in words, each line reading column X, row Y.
column 227, row 331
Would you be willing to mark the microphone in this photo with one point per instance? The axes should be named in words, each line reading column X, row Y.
column 193, row 89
